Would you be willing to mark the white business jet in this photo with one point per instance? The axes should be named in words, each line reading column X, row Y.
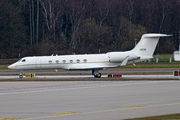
column 142, row 51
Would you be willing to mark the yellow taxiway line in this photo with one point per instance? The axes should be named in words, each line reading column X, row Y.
column 101, row 111
column 9, row 118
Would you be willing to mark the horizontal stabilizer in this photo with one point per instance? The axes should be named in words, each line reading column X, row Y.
column 156, row 35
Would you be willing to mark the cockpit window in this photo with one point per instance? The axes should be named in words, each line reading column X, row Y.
column 24, row 60
column 20, row 60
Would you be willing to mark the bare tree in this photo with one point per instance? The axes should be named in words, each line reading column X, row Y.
column 33, row 26
column 37, row 23
column 130, row 7
column 75, row 10
column 104, row 11
column 30, row 19
column 51, row 16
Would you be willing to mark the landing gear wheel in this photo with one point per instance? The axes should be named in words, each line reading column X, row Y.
column 97, row 75
column 20, row 76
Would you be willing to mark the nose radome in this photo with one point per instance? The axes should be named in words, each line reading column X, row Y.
column 12, row 66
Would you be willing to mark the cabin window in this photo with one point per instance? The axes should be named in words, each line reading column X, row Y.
column 78, row 61
column 64, row 61
column 50, row 61
column 71, row 61
column 85, row 60
column 57, row 61
column 24, row 60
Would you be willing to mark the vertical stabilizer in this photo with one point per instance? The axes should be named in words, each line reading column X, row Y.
column 147, row 44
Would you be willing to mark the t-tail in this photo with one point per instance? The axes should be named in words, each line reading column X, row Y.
column 146, row 46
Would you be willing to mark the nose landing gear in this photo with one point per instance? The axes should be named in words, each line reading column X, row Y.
column 21, row 74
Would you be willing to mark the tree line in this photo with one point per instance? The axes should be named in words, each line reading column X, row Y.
column 45, row 27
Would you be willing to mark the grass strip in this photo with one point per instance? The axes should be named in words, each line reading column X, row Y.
column 163, row 117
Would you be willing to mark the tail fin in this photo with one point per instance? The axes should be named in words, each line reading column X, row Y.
column 147, row 44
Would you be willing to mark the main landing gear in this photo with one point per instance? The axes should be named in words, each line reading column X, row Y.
column 96, row 73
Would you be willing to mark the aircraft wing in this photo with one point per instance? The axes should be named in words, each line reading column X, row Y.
column 88, row 67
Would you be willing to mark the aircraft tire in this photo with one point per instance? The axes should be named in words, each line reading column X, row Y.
column 20, row 76
column 98, row 75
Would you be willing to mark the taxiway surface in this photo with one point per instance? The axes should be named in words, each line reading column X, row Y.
column 75, row 72
column 61, row 77
column 88, row 100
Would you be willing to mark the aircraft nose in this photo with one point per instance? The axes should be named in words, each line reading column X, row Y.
column 12, row 66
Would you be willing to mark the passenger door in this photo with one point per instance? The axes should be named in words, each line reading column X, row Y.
column 38, row 63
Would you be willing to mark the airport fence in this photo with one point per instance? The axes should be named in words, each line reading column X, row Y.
column 156, row 60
